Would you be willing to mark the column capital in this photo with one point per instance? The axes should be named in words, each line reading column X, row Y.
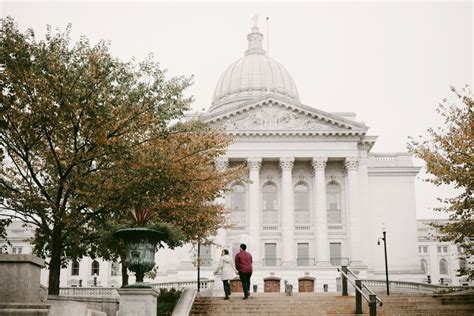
column 221, row 163
column 319, row 163
column 254, row 163
column 286, row 163
column 351, row 163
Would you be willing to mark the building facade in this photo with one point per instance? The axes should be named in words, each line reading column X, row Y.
column 317, row 197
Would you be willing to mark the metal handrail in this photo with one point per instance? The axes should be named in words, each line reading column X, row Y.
column 365, row 286
column 355, row 286
column 351, row 272
column 358, row 285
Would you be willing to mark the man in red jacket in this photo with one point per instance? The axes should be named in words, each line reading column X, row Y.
column 243, row 264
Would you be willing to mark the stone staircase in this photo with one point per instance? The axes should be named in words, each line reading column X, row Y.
column 321, row 304
column 22, row 309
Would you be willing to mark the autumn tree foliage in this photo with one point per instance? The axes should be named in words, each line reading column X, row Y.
column 449, row 155
column 87, row 137
column 171, row 185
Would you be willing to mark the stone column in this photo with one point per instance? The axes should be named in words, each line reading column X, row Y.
column 320, row 214
column 254, row 225
column 352, row 165
column 288, row 212
column 363, row 174
column 221, row 237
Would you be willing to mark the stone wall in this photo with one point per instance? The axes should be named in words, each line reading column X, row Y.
column 20, row 278
column 108, row 305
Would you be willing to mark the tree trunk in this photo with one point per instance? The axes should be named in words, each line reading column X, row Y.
column 124, row 271
column 55, row 266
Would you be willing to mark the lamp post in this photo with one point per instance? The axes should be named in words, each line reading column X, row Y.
column 384, row 238
column 199, row 265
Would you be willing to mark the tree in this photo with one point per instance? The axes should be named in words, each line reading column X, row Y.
column 171, row 186
column 71, row 115
column 449, row 157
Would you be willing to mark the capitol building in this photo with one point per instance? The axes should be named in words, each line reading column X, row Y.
column 317, row 196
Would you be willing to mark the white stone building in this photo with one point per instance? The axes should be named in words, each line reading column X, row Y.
column 317, row 196
column 439, row 261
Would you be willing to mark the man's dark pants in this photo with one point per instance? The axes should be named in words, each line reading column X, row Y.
column 245, row 279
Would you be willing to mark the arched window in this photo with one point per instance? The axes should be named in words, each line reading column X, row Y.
column 95, row 268
column 238, row 202
column 75, row 268
column 270, row 204
column 333, row 200
column 443, row 267
column 424, row 266
column 301, row 204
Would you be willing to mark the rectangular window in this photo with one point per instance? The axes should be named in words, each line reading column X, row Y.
column 270, row 254
column 334, row 208
column 302, row 254
column 423, row 249
column 17, row 250
column 335, row 253
column 206, row 258
column 442, row 249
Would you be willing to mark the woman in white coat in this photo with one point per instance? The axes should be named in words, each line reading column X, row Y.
column 226, row 265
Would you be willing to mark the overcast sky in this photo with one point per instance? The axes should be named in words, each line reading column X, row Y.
column 389, row 62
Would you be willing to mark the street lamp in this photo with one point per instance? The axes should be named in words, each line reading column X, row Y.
column 384, row 238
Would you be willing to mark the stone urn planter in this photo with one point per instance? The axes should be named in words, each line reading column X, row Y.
column 140, row 247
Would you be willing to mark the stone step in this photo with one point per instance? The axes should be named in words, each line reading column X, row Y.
column 324, row 305
column 29, row 309
column 24, row 306
column 23, row 311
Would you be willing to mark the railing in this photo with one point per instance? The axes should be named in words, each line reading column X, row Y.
column 371, row 298
column 305, row 262
column 303, row 227
column 271, row 262
column 403, row 287
column 89, row 291
column 112, row 291
column 339, row 261
column 270, row 227
column 335, row 227
column 203, row 284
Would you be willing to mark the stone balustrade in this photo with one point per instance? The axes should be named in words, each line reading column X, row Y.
column 403, row 287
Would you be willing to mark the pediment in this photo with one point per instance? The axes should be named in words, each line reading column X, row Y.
column 276, row 116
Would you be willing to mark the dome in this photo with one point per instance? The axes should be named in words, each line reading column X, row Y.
column 252, row 76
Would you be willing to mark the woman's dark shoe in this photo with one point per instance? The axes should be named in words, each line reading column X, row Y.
column 226, row 298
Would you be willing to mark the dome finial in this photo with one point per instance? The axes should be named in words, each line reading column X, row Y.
column 255, row 22
column 255, row 39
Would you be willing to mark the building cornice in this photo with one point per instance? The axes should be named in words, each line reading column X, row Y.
column 393, row 171
column 267, row 137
